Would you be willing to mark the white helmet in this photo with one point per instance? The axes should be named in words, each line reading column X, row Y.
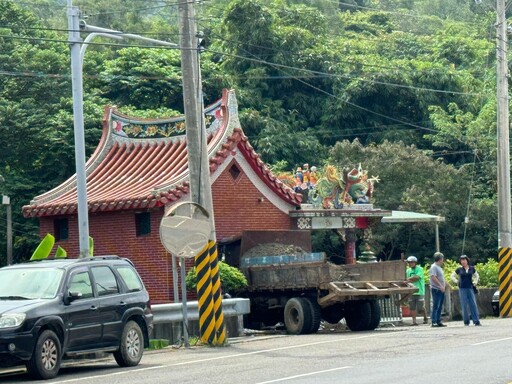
column 412, row 259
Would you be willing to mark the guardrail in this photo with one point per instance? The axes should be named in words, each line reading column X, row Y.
column 172, row 313
column 168, row 318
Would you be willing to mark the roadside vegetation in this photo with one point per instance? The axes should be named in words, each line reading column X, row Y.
column 405, row 87
column 487, row 271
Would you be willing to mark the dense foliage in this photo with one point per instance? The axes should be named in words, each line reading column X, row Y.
column 407, row 87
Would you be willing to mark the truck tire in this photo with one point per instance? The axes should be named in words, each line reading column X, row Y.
column 333, row 313
column 358, row 315
column 297, row 316
column 374, row 315
column 316, row 314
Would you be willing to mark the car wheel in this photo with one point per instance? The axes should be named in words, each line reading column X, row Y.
column 297, row 316
column 45, row 361
column 131, row 346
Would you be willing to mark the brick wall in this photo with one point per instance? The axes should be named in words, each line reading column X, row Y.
column 237, row 207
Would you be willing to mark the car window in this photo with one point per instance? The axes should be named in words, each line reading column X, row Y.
column 30, row 283
column 130, row 278
column 106, row 283
column 81, row 282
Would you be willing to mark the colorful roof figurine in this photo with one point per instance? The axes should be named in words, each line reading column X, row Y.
column 143, row 163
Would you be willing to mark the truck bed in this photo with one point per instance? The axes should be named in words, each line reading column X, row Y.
column 334, row 283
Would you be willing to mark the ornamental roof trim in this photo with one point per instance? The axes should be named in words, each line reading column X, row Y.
column 142, row 163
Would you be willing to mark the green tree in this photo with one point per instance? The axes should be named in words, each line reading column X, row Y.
column 411, row 180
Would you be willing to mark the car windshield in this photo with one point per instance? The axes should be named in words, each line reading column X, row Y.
column 29, row 283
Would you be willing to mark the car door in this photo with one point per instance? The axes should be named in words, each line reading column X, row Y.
column 112, row 304
column 84, row 328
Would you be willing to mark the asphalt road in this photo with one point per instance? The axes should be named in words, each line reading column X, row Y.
column 388, row 355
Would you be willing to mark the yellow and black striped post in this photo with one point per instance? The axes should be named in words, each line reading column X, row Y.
column 217, row 294
column 505, row 276
column 205, row 298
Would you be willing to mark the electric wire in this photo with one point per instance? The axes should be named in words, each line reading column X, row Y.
column 260, row 61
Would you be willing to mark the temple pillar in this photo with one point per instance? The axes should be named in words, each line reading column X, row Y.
column 350, row 245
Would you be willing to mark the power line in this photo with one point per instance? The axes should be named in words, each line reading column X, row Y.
column 283, row 66
column 261, row 62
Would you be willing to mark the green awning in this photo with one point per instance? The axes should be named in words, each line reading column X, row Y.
column 410, row 217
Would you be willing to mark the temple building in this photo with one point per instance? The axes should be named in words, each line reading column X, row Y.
column 140, row 170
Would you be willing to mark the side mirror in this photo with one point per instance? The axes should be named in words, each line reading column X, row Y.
column 72, row 296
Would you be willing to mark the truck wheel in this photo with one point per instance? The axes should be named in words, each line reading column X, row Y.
column 316, row 315
column 297, row 316
column 131, row 346
column 333, row 313
column 374, row 315
column 358, row 315
column 45, row 361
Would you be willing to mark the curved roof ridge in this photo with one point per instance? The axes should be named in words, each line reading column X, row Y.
column 128, row 128
column 144, row 171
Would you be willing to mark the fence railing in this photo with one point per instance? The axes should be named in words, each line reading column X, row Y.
column 390, row 310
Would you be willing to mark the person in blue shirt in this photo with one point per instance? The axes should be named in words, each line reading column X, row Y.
column 466, row 278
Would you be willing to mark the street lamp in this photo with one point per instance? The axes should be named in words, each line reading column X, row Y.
column 77, row 52
column 7, row 202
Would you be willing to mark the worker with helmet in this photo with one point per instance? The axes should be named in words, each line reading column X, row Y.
column 415, row 276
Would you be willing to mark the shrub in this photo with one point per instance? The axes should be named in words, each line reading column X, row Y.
column 231, row 278
column 488, row 272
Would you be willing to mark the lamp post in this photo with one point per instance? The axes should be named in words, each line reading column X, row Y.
column 7, row 202
column 77, row 52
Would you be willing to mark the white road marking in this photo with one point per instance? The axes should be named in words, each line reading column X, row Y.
column 112, row 374
column 303, row 375
column 272, row 350
column 127, row 372
column 492, row 341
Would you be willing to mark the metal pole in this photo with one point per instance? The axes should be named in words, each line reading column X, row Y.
column 175, row 279
column 184, row 303
column 9, row 234
column 75, row 42
column 504, row 213
column 437, row 237
column 77, row 53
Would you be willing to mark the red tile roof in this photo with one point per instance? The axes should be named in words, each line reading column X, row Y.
column 142, row 163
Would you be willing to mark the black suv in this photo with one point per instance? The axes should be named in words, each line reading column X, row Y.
column 64, row 308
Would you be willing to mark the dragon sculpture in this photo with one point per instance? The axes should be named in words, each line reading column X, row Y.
column 333, row 191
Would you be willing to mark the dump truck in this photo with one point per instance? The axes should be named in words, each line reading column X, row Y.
column 287, row 283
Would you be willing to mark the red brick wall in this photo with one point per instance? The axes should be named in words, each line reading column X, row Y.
column 237, row 207
column 114, row 234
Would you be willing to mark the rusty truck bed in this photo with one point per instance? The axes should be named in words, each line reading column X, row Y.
column 335, row 282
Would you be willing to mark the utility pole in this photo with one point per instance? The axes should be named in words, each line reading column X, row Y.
column 211, row 318
column 504, row 208
column 78, row 47
column 200, row 188
column 75, row 42
column 504, row 212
